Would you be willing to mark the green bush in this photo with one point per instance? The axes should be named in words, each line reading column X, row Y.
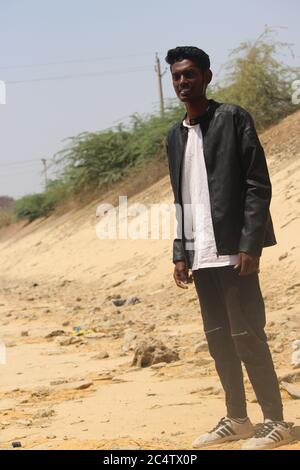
column 32, row 206
column 256, row 80
column 101, row 158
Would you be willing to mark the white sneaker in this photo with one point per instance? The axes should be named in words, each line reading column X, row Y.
column 271, row 434
column 227, row 429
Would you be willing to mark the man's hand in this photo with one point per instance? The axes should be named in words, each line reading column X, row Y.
column 247, row 264
column 181, row 275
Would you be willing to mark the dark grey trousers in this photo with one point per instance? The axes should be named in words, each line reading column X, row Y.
column 233, row 313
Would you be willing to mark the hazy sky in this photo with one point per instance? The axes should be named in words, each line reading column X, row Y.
column 116, row 41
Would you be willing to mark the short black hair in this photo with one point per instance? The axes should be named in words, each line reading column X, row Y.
column 193, row 53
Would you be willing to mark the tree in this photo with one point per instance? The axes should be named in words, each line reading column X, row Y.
column 256, row 80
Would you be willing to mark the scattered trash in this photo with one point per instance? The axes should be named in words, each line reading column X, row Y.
column 16, row 444
column 79, row 331
column 131, row 300
column 77, row 328
column 118, row 302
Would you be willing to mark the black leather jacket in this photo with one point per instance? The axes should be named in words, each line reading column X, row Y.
column 238, row 180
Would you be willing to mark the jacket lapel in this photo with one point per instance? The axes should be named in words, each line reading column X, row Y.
column 181, row 138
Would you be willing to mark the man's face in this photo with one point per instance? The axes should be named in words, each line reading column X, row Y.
column 189, row 81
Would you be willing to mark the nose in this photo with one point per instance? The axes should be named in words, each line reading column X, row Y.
column 182, row 79
column 182, row 82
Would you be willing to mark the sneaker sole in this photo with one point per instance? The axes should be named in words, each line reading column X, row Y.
column 224, row 439
column 273, row 445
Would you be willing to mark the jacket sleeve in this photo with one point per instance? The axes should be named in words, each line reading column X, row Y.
column 178, row 251
column 257, row 187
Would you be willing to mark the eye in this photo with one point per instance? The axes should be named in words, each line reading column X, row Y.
column 189, row 74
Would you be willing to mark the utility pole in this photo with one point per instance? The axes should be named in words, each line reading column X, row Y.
column 160, row 88
column 45, row 171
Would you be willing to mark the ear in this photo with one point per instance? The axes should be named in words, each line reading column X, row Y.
column 208, row 76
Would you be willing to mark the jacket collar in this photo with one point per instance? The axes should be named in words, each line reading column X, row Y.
column 203, row 118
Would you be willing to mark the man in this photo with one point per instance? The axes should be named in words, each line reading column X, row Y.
column 220, row 180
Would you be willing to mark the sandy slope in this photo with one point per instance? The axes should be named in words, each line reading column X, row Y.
column 56, row 274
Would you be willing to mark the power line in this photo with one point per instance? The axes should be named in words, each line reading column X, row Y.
column 32, row 171
column 79, row 75
column 23, row 167
column 38, row 160
column 137, row 69
column 73, row 61
column 20, row 162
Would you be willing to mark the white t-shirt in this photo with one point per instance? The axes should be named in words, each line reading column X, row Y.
column 196, row 205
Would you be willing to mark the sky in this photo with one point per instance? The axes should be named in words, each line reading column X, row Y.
column 111, row 46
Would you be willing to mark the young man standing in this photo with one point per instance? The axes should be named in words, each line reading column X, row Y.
column 220, row 180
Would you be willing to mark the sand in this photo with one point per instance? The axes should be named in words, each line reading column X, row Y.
column 60, row 392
